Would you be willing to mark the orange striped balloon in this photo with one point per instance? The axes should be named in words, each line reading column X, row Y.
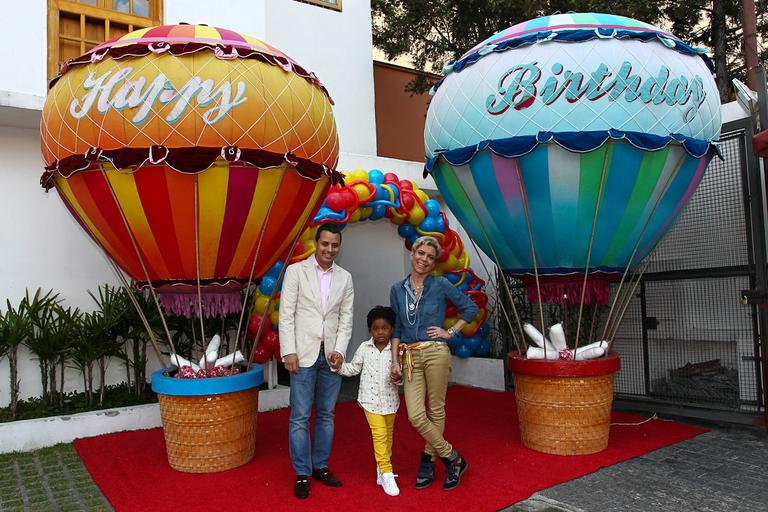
column 190, row 154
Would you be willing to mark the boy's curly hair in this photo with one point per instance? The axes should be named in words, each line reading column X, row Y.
column 384, row 312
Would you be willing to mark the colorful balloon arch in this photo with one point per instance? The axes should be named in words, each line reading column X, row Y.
column 373, row 196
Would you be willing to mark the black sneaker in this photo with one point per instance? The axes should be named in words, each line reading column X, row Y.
column 426, row 471
column 325, row 476
column 301, row 487
column 454, row 468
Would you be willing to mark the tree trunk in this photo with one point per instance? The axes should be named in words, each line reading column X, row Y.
column 142, row 380
column 720, row 49
column 13, row 363
column 85, row 385
column 89, row 387
column 102, row 378
column 61, row 385
column 44, row 378
column 52, row 381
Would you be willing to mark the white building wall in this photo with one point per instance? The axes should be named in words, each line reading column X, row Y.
column 43, row 246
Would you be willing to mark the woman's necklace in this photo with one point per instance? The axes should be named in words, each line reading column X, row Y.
column 412, row 299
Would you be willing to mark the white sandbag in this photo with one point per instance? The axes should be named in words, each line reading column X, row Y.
column 213, row 346
column 178, row 362
column 584, row 353
column 538, row 353
column 557, row 337
column 208, row 360
column 534, row 334
column 230, row 359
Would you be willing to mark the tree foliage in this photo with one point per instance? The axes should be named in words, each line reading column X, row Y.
column 431, row 33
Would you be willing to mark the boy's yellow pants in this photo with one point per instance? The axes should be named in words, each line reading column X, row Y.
column 382, row 431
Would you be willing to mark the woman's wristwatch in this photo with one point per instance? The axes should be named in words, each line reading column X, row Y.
column 451, row 332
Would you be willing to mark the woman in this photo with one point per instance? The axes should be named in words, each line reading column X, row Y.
column 420, row 301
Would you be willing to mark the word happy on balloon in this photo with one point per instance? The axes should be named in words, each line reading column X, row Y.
column 119, row 92
column 521, row 86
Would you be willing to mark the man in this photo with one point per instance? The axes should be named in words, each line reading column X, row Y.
column 316, row 305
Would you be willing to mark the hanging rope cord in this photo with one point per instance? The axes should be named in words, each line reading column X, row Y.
column 661, row 195
column 524, row 195
column 498, row 302
column 589, row 251
column 299, row 232
column 506, row 284
column 141, row 262
column 126, row 286
column 197, row 273
column 240, row 343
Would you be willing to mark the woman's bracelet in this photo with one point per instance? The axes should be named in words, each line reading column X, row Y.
column 451, row 332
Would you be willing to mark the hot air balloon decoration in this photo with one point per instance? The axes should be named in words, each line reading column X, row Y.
column 194, row 157
column 567, row 146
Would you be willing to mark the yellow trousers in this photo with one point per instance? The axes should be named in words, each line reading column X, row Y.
column 382, row 431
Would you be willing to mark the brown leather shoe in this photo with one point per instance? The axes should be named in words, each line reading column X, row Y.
column 325, row 476
column 301, row 487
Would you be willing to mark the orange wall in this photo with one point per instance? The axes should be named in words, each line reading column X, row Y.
column 400, row 116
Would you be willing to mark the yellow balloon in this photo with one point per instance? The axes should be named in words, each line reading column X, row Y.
column 450, row 321
column 354, row 216
column 365, row 213
column 362, row 191
column 358, row 175
column 467, row 329
column 274, row 317
column 417, row 215
column 421, row 195
column 260, row 304
column 397, row 218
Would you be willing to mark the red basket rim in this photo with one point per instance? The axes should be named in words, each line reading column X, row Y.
column 561, row 368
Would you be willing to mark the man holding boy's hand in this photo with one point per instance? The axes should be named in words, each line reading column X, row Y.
column 316, row 307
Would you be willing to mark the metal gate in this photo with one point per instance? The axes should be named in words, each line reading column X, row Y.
column 687, row 340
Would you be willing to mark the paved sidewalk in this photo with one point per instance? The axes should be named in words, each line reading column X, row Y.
column 723, row 470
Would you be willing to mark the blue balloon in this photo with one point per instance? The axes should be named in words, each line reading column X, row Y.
column 440, row 225
column 267, row 284
column 413, row 238
column 483, row 349
column 429, row 225
column 375, row 176
column 378, row 211
column 406, row 230
column 463, row 351
column 433, row 208
column 455, row 342
column 472, row 342
column 464, row 286
column 484, row 330
column 453, row 278
column 275, row 270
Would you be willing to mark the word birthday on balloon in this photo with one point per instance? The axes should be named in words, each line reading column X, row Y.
column 521, row 86
column 119, row 92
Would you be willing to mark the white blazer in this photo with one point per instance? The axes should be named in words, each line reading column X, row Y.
column 302, row 319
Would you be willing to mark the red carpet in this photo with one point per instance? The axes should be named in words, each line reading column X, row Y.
column 133, row 473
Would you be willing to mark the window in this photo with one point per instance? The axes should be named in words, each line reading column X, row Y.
column 329, row 4
column 76, row 26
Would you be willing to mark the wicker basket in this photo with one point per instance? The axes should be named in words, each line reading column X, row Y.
column 209, row 424
column 564, row 407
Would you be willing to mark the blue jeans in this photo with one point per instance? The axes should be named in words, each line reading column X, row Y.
column 319, row 385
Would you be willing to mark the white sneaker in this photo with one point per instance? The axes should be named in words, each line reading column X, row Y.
column 389, row 484
column 378, row 475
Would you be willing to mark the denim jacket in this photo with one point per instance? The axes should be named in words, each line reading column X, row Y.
column 431, row 308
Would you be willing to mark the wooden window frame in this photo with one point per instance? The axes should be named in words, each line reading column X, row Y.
column 321, row 3
column 100, row 11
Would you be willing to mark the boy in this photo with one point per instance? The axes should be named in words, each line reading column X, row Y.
column 378, row 396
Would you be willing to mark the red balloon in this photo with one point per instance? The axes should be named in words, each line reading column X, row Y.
column 334, row 200
column 391, row 177
column 406, row 185
column 349, row 198
column 270, row 340
column 481, row 299
column 407, row 200
column 253, row 324
column 261, row 355
column 444, row 253
column 450, row 310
